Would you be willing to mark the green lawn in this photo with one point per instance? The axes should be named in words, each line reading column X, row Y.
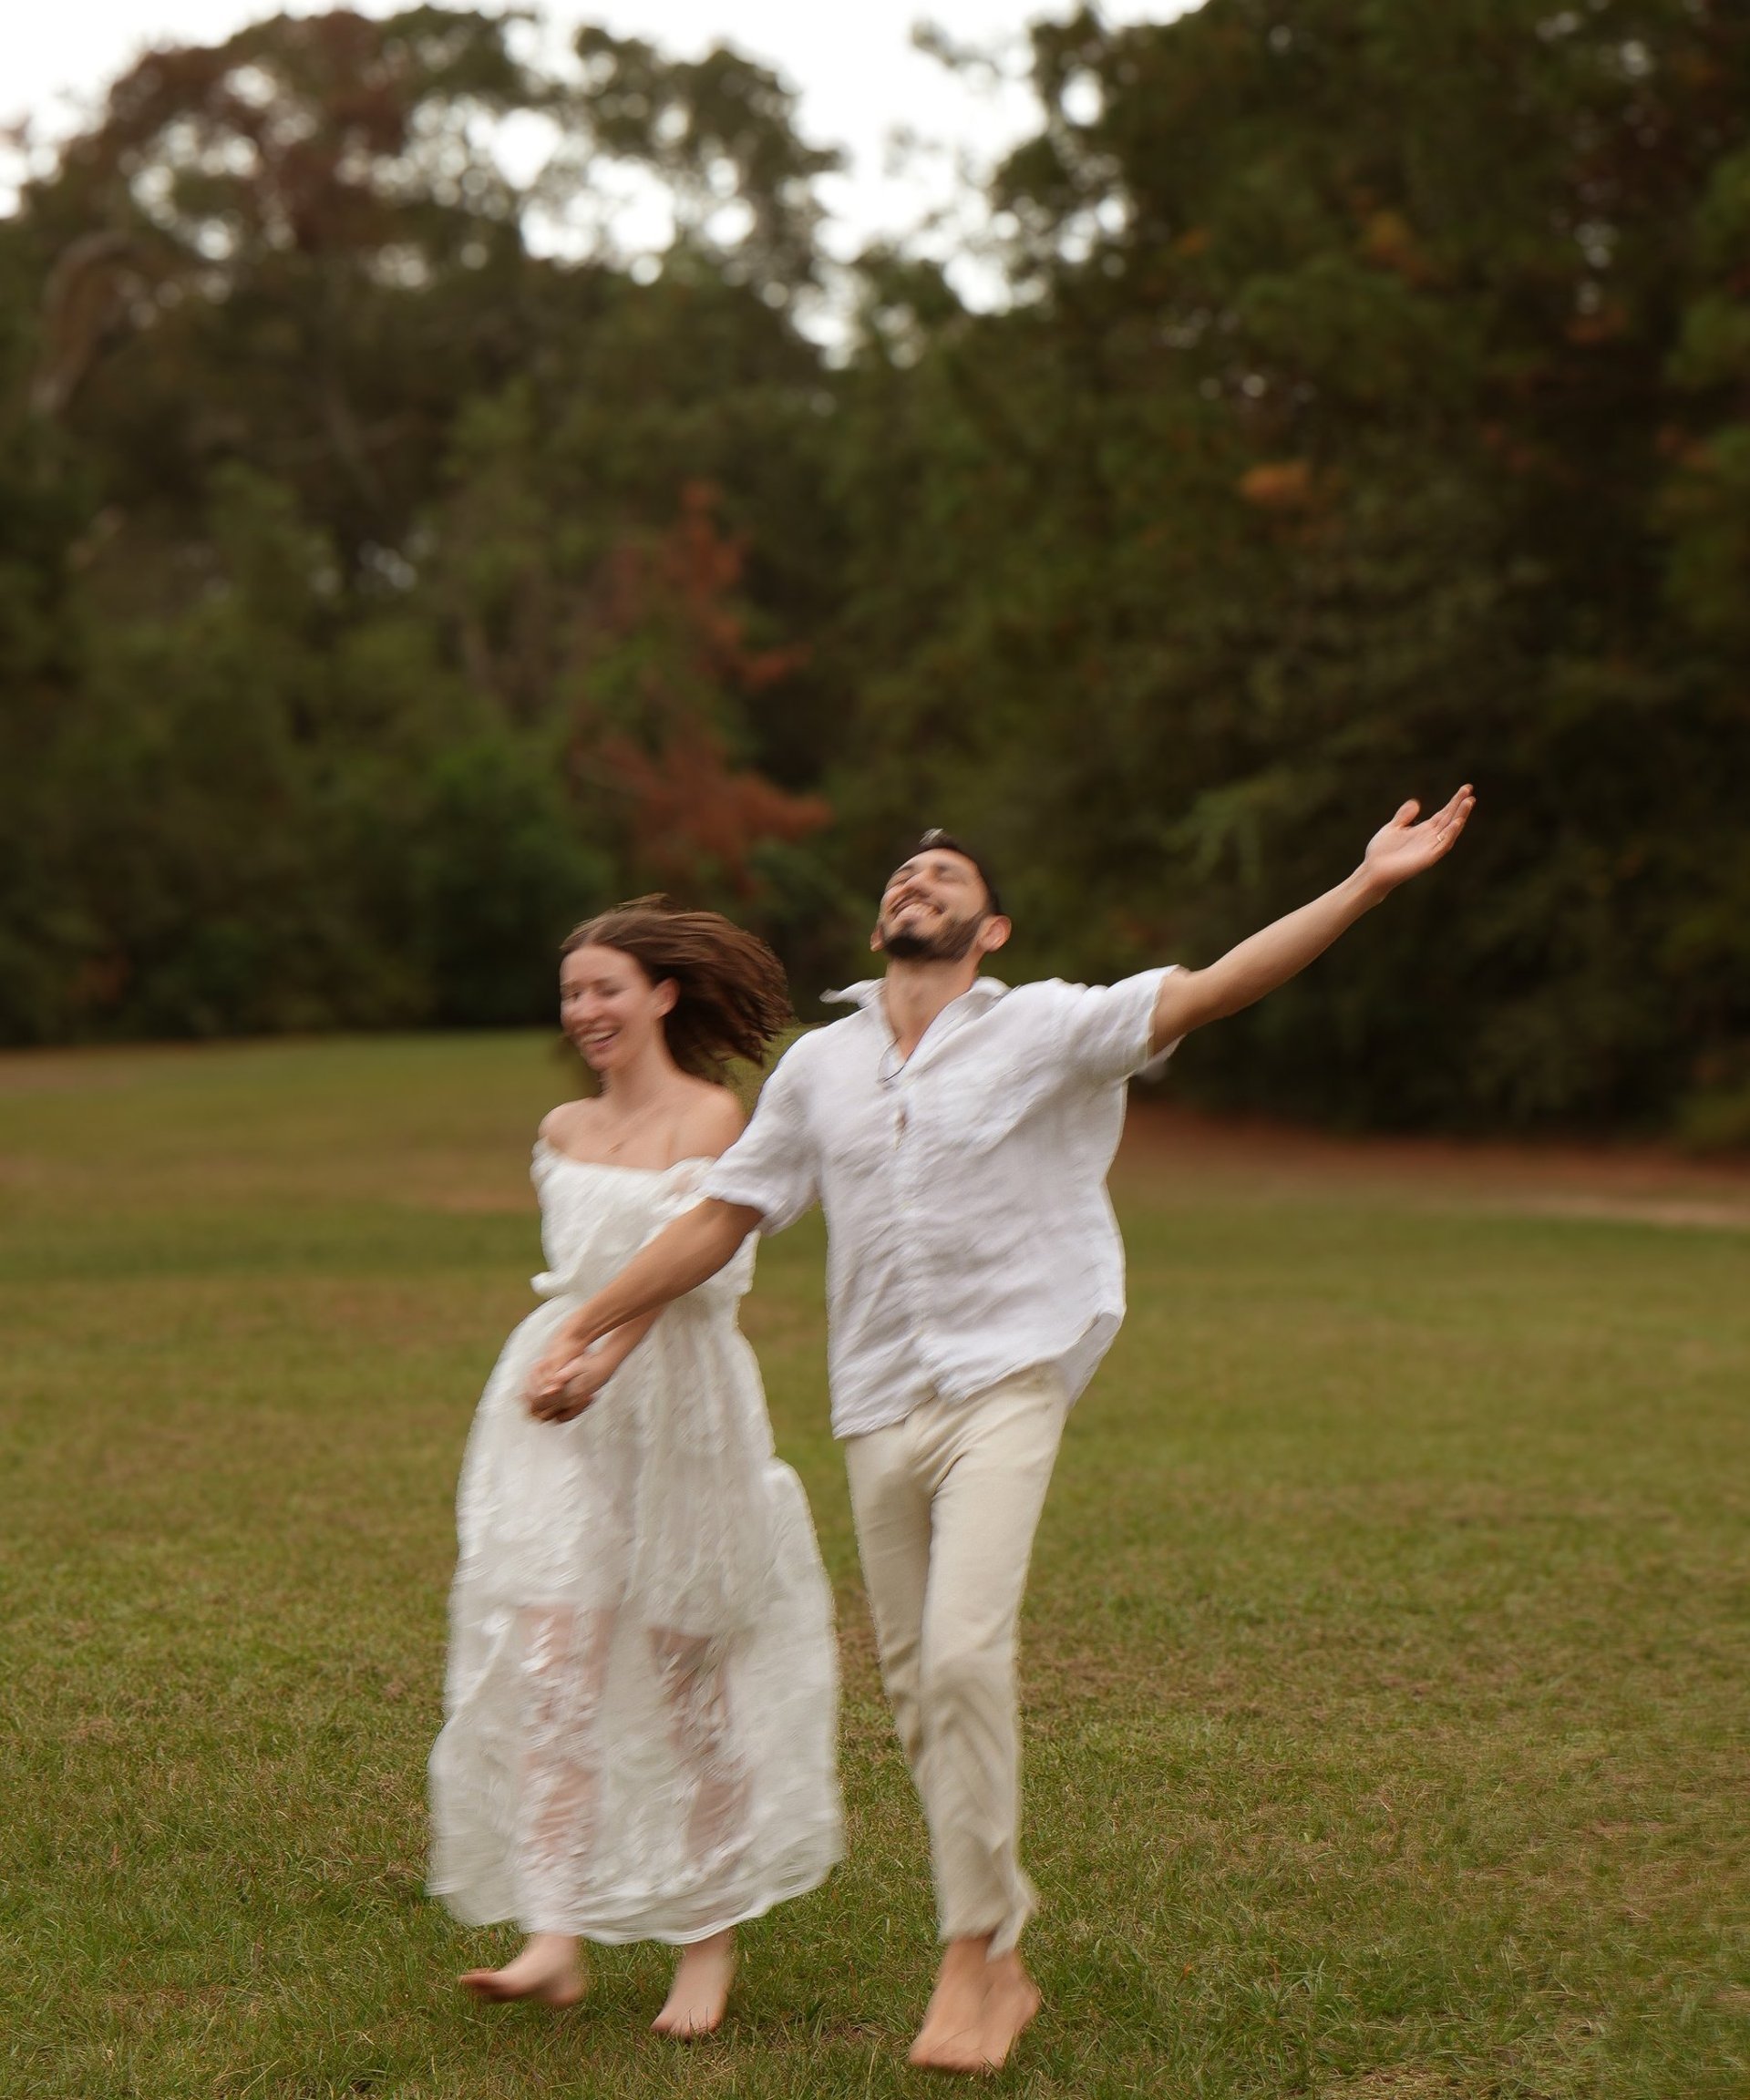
column 1386, row 1662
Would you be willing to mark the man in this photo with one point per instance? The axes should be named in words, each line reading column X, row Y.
column 958, row 1136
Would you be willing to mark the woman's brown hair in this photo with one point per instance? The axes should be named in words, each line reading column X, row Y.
column 732, row 996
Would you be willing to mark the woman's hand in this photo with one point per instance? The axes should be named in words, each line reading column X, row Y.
column 569, row 1376
column 559, row 1390
column 549, row 1372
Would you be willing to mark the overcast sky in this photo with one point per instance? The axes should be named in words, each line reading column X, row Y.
column 859, row 79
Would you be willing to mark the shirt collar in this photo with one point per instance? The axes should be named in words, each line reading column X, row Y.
column 981, row 992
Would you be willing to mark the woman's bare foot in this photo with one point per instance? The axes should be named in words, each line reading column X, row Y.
column 547, row 1970
column 700, row 1991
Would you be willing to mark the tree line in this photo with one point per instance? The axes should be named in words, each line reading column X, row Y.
column 384, row 584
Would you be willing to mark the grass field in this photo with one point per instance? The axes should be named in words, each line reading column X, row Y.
column 1386, row 1651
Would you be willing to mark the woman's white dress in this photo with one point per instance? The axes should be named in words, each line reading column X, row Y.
column 640, row 1706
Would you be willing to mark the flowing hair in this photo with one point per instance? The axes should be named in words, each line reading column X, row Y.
column 731, row 994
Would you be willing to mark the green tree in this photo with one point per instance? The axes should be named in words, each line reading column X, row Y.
column 1344, row 440
column 323, row 476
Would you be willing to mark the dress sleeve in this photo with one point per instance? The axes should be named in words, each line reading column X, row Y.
column 770, row 1167
column 1105, row 1028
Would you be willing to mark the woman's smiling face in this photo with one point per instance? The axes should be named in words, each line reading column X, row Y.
column 608, row 1007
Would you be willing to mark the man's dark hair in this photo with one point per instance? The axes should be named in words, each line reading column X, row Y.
column 936, row 840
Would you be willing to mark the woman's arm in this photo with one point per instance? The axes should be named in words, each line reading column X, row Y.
column 685, row 1253
column 713, row 1123
column 591, row 1370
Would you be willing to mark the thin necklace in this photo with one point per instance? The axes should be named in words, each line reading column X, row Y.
column 635, row 1124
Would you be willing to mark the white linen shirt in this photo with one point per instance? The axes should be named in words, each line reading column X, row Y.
column 969, row 1231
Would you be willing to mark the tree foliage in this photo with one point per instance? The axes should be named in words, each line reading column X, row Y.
column 380, row 589
column 370, row 592
column 1372, row 419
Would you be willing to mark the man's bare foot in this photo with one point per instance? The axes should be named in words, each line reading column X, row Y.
column 700, row 1991
column 952, row 2035
column 547, row 1970
column 1010, row 2003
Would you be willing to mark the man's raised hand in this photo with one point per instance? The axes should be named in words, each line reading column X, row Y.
column 1405, row 847
column 1188, row 998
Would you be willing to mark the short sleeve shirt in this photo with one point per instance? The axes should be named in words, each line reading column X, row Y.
column 969, row 1231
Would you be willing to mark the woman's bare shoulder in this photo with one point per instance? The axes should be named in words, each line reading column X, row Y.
column 562, row 1126
column 712, row 1122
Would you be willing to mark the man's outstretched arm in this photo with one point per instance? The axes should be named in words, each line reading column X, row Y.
column 1188, row 998
column 681, row 1256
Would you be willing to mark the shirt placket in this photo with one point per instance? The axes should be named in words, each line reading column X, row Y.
column 908, row 1201
column 910, row 1168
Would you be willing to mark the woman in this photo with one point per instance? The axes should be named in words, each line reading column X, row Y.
column 640, row 1701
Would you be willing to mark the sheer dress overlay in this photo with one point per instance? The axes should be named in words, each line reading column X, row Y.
column 640, row 1704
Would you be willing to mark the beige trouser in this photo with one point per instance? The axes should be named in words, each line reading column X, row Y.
column 946, row 1504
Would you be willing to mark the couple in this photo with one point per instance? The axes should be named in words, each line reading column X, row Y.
column 640, row 1700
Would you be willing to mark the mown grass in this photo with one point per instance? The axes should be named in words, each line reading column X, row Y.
column 1386, row 1647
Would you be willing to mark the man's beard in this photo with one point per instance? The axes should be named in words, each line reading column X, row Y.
column 949, row 942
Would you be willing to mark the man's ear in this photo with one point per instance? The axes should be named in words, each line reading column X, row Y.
column 875, row 938
column 993, row 933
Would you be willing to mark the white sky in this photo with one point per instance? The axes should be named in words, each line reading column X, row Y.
column 859, row 79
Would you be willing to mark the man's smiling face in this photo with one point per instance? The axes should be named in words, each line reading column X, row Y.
column 932, row 909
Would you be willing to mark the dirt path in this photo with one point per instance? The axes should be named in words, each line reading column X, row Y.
column 1174, row 1149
